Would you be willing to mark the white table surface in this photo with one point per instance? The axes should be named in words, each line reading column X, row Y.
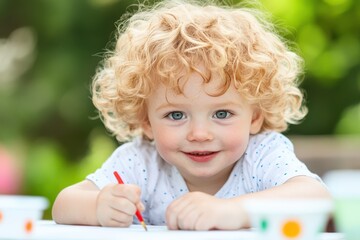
column 49, row 230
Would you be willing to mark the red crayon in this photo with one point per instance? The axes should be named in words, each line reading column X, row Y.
column 138, row 214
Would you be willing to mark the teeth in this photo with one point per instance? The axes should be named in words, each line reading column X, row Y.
column 201, row 154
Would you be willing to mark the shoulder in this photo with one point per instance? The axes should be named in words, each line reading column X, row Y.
column 138, row 151
column 270, row 161
column 267, row 142
column 134, row 160
column 138, row 148
column 268, row 150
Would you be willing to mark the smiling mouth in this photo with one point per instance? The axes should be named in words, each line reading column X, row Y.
column 201, row 157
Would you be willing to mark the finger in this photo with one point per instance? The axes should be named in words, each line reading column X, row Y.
column 122, row 218
column 123, row 205
column 174, row 210
column 180, row 203
column 132, row 194
column 112, row 218
column 172, row 214
column 140, row 206
column 115, row 223
column 129, row 191
column 187, row 219
column 203, row 223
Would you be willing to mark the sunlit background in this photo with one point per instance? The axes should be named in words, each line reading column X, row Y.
column 49, row 49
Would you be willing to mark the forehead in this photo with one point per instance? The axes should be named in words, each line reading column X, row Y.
column 186, row 82
column 197, row 83
column 195, row 88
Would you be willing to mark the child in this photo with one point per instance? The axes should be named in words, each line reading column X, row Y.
column 203, row 93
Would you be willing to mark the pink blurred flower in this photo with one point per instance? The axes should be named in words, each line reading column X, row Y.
column 10, row 173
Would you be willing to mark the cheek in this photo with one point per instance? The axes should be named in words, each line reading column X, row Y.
column 236, row 140
column 166, row 140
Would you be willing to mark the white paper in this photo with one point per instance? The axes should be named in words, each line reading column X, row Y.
column 48, row 230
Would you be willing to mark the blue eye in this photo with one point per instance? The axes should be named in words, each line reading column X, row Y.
column 176, row 115
column 222, row 114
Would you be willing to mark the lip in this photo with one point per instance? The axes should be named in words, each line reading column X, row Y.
column 201, row 156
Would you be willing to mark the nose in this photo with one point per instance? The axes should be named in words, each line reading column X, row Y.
column 199, row 131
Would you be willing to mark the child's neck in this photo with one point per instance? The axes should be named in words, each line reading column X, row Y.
column 208, row 188
column 209, row 185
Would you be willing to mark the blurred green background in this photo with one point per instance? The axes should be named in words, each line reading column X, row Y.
column 50, row 136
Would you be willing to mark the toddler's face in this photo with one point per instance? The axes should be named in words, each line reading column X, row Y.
column 202, row 135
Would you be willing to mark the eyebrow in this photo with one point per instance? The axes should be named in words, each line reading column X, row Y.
column 217, row 105
column 169, row 105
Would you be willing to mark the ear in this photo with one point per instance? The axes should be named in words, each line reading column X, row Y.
column 147, row 129
column 256, row 121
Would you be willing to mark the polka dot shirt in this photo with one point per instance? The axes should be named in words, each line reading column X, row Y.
column 269, row 161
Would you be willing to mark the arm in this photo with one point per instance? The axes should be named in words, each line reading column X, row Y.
column 200, row 211
column 83, row 203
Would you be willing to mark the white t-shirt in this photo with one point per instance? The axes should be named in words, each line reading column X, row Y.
column 268, row 161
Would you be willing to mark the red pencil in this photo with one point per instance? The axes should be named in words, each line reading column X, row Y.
column 138, row 214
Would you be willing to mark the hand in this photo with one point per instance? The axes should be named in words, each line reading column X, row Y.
column 200, row 211
column 117, row 203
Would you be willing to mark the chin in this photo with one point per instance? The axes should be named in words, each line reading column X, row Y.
column 201, row 174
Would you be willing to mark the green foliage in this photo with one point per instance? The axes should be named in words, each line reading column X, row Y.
column 326, row 33
column 346, row 124
column 47, row 171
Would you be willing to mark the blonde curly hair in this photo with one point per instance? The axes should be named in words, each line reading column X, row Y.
column 156, row 45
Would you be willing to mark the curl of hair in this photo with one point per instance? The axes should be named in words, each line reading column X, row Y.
column 154, row 46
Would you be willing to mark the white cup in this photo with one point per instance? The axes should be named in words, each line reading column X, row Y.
column 18, row 215
column 285, row 219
